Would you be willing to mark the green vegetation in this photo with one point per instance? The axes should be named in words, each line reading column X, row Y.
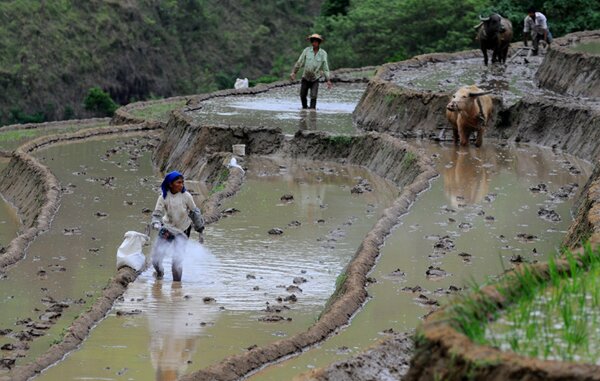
column 99, row 102
column 408, row 160
column 220, row 181
column 555, row 318
column 158, row 111
column 54, row 51
column 10, row 140
column 340, row 140
column 370, row 32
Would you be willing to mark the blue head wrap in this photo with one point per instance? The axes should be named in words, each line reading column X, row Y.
column 169, row 178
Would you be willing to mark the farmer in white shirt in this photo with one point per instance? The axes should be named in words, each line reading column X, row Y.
column 173, row 216
column 535, row 23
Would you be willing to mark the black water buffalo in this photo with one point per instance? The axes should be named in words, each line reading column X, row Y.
column 495, row 33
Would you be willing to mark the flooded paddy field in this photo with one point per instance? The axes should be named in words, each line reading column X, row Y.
column 106, row 184
column 246, row 287
column 591, row 47
column 511, row 82
column 483, row 214
column 281, row 108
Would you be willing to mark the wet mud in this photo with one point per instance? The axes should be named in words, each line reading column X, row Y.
column 245, row 291
column 401, row 101
column 473, row 184
column 280, row 108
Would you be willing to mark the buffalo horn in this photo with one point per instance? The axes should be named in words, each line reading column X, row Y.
column 483, row 18
column 480, row 93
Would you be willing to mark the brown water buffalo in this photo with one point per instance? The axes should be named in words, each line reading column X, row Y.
column 469, row 110
column 495, row 33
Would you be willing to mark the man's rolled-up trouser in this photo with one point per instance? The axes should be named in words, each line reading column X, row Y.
column 314, row 92
column 536, row 37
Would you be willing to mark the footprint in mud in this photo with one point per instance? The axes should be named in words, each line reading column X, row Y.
column 397, row 275
column 526, row 238
column 275, row 231
column 549, row 215
column 540, row 188
column 425, row 301
column 287, row 198
column 443, row 245
column 436, row 273
column 564, row 192
column 72, row 231
column 465, row 226
column 414, row 289
column 466, row 257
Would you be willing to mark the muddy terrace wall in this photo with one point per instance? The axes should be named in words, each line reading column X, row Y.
column 191, row 147
column 570, row 72
column 387, row 107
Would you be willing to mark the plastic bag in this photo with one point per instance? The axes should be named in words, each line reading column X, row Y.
column 130, row 252
column 241, row 83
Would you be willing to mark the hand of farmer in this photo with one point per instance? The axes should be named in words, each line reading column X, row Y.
column 293, row 76
column 156, row 225
column 329, row 85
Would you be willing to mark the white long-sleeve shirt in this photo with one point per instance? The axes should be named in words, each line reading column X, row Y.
column 538, row 25
column 175, row 209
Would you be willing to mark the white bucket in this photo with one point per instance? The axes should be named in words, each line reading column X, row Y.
column 239, row 149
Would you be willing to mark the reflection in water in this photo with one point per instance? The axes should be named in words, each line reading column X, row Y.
column 467, row 173
column 176, row 314
column 308, row 120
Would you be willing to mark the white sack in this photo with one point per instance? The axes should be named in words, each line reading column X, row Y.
column 241, row 83
column 130, row 252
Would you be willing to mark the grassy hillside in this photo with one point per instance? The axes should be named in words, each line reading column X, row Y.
column 53, row 51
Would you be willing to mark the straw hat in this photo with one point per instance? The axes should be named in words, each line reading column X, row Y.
column 315, row 36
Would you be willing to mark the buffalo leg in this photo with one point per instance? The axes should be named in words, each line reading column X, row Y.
column 485, row 56
column 464, row 137
column 455, row 134
column 479, row 141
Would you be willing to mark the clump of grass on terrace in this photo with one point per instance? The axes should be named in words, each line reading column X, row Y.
column 555, row 317
column 158, row 111
column 340, row 140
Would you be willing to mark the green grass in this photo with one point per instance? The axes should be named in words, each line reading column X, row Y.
column 159, row 111
column 219, row 183
column 557, row 317
column 340, row 140
column 9, row 140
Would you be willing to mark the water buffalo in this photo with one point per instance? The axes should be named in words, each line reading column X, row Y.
column 495, row 33
column 469, row 110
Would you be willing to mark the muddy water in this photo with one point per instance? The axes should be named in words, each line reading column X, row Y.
column 73, row 261
column 243, row 270
column 475, row 185
column 281, row 108
column 510, row 81
column 9, row 220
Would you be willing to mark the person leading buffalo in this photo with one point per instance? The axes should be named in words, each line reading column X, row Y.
column 314, row 61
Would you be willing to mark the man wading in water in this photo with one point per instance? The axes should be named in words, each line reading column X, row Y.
column 314, row 61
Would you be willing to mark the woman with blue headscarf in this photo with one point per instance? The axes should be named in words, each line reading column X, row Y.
column 173, row 216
